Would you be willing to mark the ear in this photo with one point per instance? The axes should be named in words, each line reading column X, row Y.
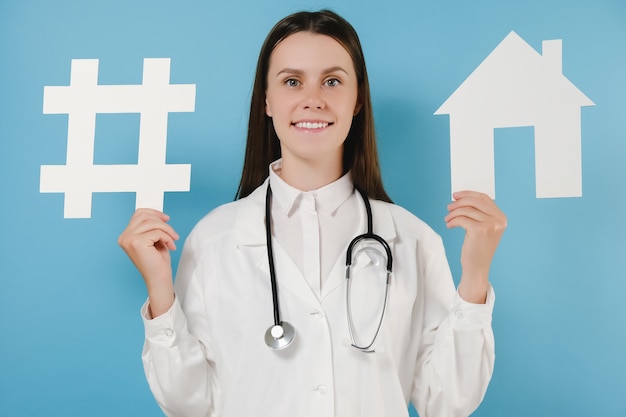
column 359, row 103
column 268, row 111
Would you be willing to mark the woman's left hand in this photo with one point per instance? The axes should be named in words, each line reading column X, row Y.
column 484, row 224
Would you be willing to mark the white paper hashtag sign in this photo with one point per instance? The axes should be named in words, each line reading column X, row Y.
column 151, row 177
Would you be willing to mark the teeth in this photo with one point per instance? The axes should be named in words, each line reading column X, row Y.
column 309, row 125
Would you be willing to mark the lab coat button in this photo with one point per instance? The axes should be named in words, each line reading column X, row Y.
column 169, row 332
column 321, row 389
column 459, row 315
column 317, row 314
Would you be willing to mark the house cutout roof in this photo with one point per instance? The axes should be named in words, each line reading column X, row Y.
column 514, row 83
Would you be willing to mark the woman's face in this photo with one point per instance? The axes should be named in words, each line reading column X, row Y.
column 312, row 96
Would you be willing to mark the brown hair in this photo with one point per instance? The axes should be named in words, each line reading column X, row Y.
column 263, row 147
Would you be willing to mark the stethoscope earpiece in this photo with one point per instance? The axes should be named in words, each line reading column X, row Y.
column 279, row 336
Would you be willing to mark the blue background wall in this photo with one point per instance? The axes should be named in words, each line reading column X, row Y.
column 70, row 330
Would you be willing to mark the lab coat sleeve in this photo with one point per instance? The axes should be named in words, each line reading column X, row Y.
column 456, row 355
column 176, row 354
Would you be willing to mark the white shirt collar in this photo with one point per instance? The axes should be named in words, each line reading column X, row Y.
column 328, row 198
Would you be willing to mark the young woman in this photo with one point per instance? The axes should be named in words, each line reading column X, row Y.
column 396, row 331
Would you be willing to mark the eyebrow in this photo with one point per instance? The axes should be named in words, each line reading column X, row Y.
column 300, row 72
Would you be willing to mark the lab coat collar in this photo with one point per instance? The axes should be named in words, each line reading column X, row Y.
column 250, row 225
column 327, row 198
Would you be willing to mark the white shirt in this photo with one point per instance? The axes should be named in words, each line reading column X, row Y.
column 314, row 227
column 207, row 357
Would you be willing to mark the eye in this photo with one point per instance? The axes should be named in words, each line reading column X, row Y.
column 292, row 82
column 332, row 82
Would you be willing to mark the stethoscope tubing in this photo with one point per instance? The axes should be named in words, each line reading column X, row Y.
column 270, row 254
column 281, row 334
column 368, row 348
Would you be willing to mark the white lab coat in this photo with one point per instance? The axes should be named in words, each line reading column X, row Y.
column 207, row 357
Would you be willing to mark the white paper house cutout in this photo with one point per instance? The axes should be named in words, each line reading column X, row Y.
column 516, row 86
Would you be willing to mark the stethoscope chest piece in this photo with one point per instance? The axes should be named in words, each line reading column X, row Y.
column 279, row 336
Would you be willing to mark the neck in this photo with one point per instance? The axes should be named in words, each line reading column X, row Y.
column 310, row 175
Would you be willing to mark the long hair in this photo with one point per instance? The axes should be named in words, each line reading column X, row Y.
column 360, row 155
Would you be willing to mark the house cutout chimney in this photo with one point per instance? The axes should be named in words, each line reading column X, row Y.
column 553, row 54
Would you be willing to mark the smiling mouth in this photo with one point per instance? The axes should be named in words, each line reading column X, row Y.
column 311, row 125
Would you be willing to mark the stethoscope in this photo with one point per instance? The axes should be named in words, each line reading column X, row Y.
column 281, row 334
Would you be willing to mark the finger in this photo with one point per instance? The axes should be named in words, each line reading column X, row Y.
column 145, row 219
column 475, row 199
column 153, row 224
column 490, row 225
column 469, row 193
column 464, row 222
column 151, row 239
column 138, row 232
column 142, row 214
column 165, row 239
column 164, row 242
column 478, row 201
column 472, row 227
column 468, row 212
column 150, row 211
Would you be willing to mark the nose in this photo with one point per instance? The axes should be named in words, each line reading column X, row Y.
column 313, row 98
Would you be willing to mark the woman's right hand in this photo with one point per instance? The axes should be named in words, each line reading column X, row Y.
column 147, row 240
